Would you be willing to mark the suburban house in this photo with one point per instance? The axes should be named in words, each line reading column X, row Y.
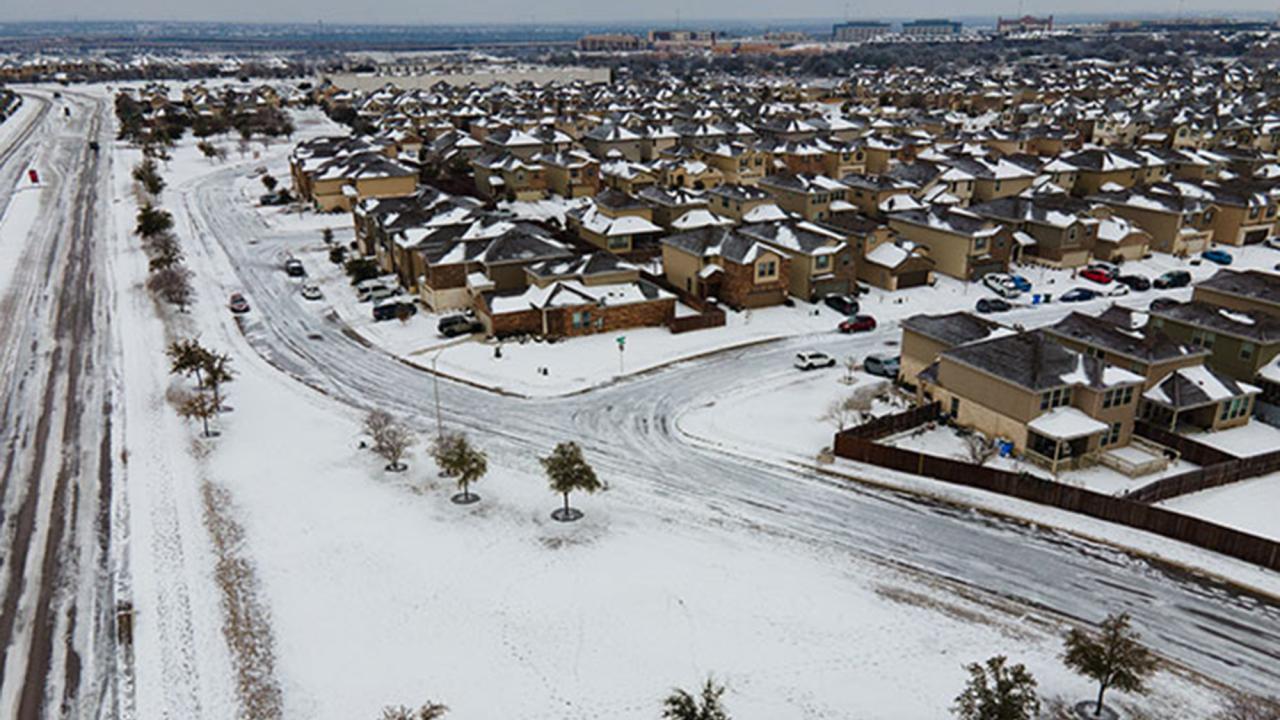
column 576, row 296
column 1061, row 231
column 869, row 193
column 1248, row 290
column 1246, row 210
column 670, row 205
column 455, row 268
column 1241, row 342
column 615, row 222
column 736, row 163
column 1111, row 170
column 993, row 178
column 1118, row 239
column 334, row 173
column 813, row 197
column 882, row 257
column 1058, row 407
column 510, row 177
column 1179, row 225
column 571, row 174
column 960, row 243
column 820, row 262
column 1117, row 337
column 613, row 141
column 1199, row 398
column 716, row 262
column 744, row 204
column 376, row 219
column 925, row 337
column 627, row 177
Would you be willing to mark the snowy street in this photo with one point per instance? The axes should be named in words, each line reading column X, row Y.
column 811, row 595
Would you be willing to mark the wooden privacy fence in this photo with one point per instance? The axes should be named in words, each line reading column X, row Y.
column 887, row 425
column 1223, row 473
column 851, row 444
column 1191, row 450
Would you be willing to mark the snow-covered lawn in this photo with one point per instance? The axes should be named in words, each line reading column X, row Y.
column 1250, row 505
column 1255, row 438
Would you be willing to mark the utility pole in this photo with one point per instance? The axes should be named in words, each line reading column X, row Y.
column 435, row 382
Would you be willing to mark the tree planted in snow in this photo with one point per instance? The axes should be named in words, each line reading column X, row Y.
column 996, row 691
column 463, row 462
column 198, row 406
column 707, row 705
column 188, row 357
column 152, row 221
column 173, row 285
column 148, row 176
column 165, row 251
column 269, row 182
column 217, row 373
column 428, row 711
column 327, row 235
column 1113, row 657
column 567, row 471
column 390, row 439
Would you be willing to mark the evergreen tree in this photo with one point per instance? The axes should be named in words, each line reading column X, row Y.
column 1113, row 658
column 465, row 463
column 567, row 471
column 996, row 691
column 147, row 175
column 201, row 406
column 188, row 357
column 680, row 705
column 217, row 372
column 152, row 221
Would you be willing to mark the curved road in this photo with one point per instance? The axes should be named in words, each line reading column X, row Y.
column 1205, row 625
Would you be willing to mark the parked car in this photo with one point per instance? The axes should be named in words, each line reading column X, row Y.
column 1161, row 303
column 1111, row 269
column 1021, row 283
column 993, row 305
column 1272, row 242
column 1102, row 277
column 1221, row 257
column 1173, row 279
column 858, row 323
column 365, row 288
column 813, row 360
column 1000, row 284
column 237, row 304
column 391, row 308
column 1117, row 290
column 293, row 268
column 1078, row 295
column 882, row 365
column 455, row 325
column 842, row 304
column 311, row 292
column 1134, row 282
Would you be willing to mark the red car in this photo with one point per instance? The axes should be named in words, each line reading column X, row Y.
column 858, row 323
column 238, row 304
column 1101, row 277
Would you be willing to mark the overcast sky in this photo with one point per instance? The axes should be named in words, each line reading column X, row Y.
column 554, row 11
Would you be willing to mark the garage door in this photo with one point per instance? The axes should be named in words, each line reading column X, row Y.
column 913, row 279
column 1255, row 237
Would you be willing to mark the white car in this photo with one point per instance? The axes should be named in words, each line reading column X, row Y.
column 1272, row 242
column 311, row 292
column 1001, row 284
column 1117, row 290
column 813, row 360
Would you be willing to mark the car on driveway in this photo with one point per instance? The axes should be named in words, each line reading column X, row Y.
column 993, row 305
column 1021, row 283
column 1136, row 283
column 1111, row 269
column 311, row 292
column 842, row 304
column 394, row 307
column 1272, row 242
column 1221, row 257
column 460, row 324
column 1000, row 284
column 1078, row 295
column 293, row 268
column 858, row 323
column 1102, row 277
column 1116, row 290
column 882, row 365
column 812, row 360
column 237, row 304
column 1173, row 279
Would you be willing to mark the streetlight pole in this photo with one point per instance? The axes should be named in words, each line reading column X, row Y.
column 435, row 385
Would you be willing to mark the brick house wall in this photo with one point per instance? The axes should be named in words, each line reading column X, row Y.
column 654, row 313
column 739, row 288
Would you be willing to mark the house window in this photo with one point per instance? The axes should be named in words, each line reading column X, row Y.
column 1238, row 407
column 1093, row 352
column 979, row 244
column 766, row 269
column 1246, row 350
column 1117, row 397
column 955, row 407
column 1112, row 435
column 822, row 262
column 621, row 242
column 1055, row 398
column 1253, row 212
column 1202, row 338
column 582, row 319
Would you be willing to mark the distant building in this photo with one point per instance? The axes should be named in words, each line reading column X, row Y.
column 610, row 42
column 1026, row 23
column 859, row 30
column 681, row 39
column 931, row 26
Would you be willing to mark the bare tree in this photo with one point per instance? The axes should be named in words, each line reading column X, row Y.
column 850, row 367
column 217, row 372
column 173, row 285
column 980, row 448
column 198, row 406
column 164, row 250
column 840, row 414
column 377, row 421
column 391, row 441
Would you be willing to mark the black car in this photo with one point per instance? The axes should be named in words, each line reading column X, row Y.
column 293, row 267
column 993, row 305
column 842, row 304
column 1173, row 279
column 455, row 325
column 1136, row 283
column 1161, row 303
column 392, row 309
